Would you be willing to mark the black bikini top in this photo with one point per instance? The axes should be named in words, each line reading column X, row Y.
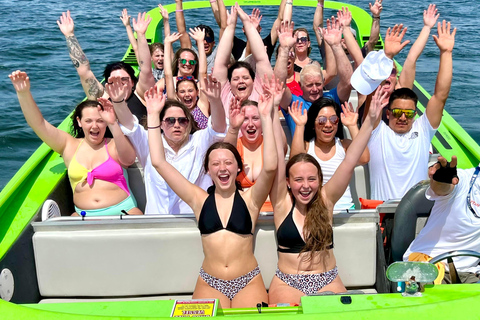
column 289, row 238
column 240, row 221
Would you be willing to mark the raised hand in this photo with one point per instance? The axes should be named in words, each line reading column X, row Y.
column 211, row 87
column 446, row 38
column 125, row 18
column 274, row 87
column 155, row 100
column 285, row 34
column 141, row 24
column 378, row 103
column 349, row 116
column 197, row 34
column 236, row 113
column 106, row 111
column 430, row 16
column 232, row 17
column 332, row 34
column 376, row 8
column 171, row 38
column 344, row 17
column 116, row 90
column 20, row 81
column 241, row 14
column 163, row 12
column 297, row 113
column 444, row 171
column 256, row 18
column 393, row 40
column 66, row 24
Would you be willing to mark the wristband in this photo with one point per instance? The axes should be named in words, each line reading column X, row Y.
column 156, row 127
column 289, row 2
column 376, row 17
column 319, row 5
column 179, row 10
column 118, row 101
column 213, row 1
column 445, row 174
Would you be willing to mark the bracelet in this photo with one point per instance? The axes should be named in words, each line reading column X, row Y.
column 289, row 2
column 376, row 17
column 156, row 127
column 213, row 1
column 319, row 5
column 119, row 101
column 180, row 10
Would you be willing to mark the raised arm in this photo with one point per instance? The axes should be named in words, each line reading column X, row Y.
column 181, row 27
column 224, row 50
column 187, row 191
column 393, row 40
column 198, row 35
column 283, row 13
column 445, row 42
column 255, row 19
column 166, row 22
column 92, row 87
column 126, row 22
column 332, row 36
column 287, row 42
column 376, row 10
column 299, row 116
column 345, row 19
column 407, row 76
column 167, row 64
column 337, row 185
column 146, row 79
column 263, row 66
column 53, row 137
column 123, row 148
column 349, row 120
column 318, row 21
column 212, row 89
column 440, row 173
column 117, row 91
column 222, row 15
column 236, row 118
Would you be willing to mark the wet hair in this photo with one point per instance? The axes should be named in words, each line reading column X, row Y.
column 312, row 115
column 208, row 31
column 403, row 93
column 232, row 149
column 249, row 103
column 156, row 46
column 170, row 103
column 238, row 65
column 317, row 229
column 176, row 59
column 120, row 65
column 76, row 130
column 308, row 38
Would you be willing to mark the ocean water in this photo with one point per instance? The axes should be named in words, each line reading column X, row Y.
column 31, row 41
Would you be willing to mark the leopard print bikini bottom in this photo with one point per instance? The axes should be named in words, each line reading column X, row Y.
column 229, row 287
column 308, row 283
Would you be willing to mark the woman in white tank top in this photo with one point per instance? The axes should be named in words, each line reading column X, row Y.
column 320, row 134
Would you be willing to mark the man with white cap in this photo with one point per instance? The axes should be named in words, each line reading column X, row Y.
column 399, row 151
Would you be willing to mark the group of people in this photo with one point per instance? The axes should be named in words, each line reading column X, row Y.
column 220, row 104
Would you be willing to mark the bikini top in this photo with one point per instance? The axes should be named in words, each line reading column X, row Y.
column 110, row 171
column 289, row 238
column 240, row 221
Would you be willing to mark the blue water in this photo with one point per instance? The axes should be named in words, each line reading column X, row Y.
column 31, row 41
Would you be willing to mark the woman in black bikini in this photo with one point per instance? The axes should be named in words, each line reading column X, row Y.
column 226, row 216
column 303, row 215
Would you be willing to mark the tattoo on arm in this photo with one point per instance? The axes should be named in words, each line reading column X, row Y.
column 76, row 52
column 93, row 88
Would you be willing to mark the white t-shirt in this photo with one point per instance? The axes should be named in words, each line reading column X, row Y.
column 328, row 169
column 398, row 161
column 188, row 161
column 451, row 225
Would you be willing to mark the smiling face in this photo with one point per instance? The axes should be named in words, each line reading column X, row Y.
column 304, row 182
column 252, row 126
column 389, row 84
column 186, row 69
column 403, row 124
column 157, row 59
column 175, row 133
column 223, row 168
column 241, row 83
column 187, row 93
column 312, row 86
column 302, row 44
column 93, row 125
column 326, row 133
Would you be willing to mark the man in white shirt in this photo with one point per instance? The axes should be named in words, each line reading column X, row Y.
column 454, row 223
column 399, row 151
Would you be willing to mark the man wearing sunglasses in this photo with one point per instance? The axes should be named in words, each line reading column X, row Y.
column 399, row 151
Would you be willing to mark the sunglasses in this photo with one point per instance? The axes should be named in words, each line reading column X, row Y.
column 182, row 121
column 302, row 40
column 185, row 78
column 322, row 120
column 209, row 39
column 190, row 62
column 397, row 113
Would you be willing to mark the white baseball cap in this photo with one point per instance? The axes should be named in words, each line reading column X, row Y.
column 374, row 69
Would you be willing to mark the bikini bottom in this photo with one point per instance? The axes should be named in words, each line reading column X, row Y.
column 229, row 287
column 308, row 283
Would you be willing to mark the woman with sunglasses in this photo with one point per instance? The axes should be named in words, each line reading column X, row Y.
column 303, row 216
column 185, row 88
column 226, row 215
column 95, row 156
column 302, row 49
column 184, row 145
column 320, row 134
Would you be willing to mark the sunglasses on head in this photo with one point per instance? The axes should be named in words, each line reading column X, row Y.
column 190, row 62
column 397, row 113
column 170, row 121
column 302, row 40
column 209, row 39
column 322, row 120
column 185, row 78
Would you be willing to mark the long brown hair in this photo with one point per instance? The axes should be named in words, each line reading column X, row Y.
column 317, row 230
column 176, row 59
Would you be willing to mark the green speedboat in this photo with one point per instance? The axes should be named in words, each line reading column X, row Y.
column 137, row 267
